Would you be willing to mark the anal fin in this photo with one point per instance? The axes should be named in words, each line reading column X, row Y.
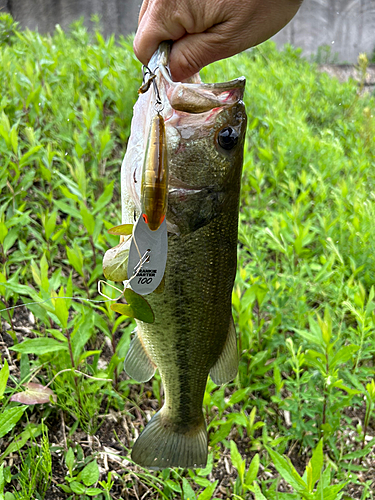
column 226, row 367
column 138, row 364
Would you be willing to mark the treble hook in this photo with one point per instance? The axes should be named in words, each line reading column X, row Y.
column 148, row 78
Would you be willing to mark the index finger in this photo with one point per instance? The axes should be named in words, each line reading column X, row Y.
column 143, row 10
column 156, row 25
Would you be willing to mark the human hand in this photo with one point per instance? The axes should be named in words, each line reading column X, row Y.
column 205, row 31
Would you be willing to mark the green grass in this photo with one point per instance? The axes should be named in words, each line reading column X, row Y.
column 303, row 300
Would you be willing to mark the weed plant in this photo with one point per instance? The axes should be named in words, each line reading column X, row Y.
column 297, row 421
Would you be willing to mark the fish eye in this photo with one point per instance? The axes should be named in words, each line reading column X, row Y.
column 227, row 138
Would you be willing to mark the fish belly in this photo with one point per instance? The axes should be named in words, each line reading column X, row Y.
column 192, row 318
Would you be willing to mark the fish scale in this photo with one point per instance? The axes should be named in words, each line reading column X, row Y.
column 193, row 333
column 193, row 328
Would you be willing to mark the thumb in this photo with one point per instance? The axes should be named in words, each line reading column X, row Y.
column 192, row 52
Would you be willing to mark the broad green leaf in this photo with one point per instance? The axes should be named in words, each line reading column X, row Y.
column 65, row 488
column 31, row 431
column 105, row 141
column 310, row 337
column 2, row 280
column 316, row 464
column 314, row 358
column 44, row 273
column 17, row 288
column 343, row 355
column 370, row 302
column 2, row 479
column 27, row 157
column 208, row 492
column 279, row 383
column 9, row 417
column 34, row 394
column 237, row 460
column 5, row 128
column 308, row 477
column 252, row 473
column 50, row 224
column 39, row 346
column 370, row 388
column 325, row 490
column 35, row 271
column 187, row 490
column 221, row 433
column 259, row 357
column 69, row 459
column 80, row 176
column 173, row 486
column 202, row 481
column 69, row 291
column 14, row 139
column 57, row 334
column 25, row 367
column 61, row 309
column 286, row 470
column 75, row 258
column 326, row 326
column 88, row 219
column 3, row 232
column 67, row 208
column 77, row 487
column 238, row 396
column 68, row 194
column 11, row 238
column 137, row 307
column 123, row 229
column 316, row 330
column 82, row 334
column 208, row 469
column 104, row 198
column 258, row 495
column 90, row 474
column 91, row 492
column 4, row 375
column 124, row 309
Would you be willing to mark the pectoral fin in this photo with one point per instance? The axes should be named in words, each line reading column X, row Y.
column 226, row 367
column 138, row 364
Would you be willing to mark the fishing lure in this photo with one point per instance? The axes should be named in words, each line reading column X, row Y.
column 154, row 187
column 149, row 246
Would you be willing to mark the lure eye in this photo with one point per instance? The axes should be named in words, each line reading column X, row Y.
column 227, row 138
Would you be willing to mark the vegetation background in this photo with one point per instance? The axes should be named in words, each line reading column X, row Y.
column 297, row 421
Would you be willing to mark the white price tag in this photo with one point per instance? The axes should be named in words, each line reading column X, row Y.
column 147, row 257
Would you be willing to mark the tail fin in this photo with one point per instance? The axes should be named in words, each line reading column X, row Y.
column 161, row 445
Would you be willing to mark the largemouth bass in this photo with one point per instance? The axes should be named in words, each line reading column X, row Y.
column 193, row 334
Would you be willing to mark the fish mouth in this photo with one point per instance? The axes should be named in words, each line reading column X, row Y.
column 193, row 96
column 196, row 98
